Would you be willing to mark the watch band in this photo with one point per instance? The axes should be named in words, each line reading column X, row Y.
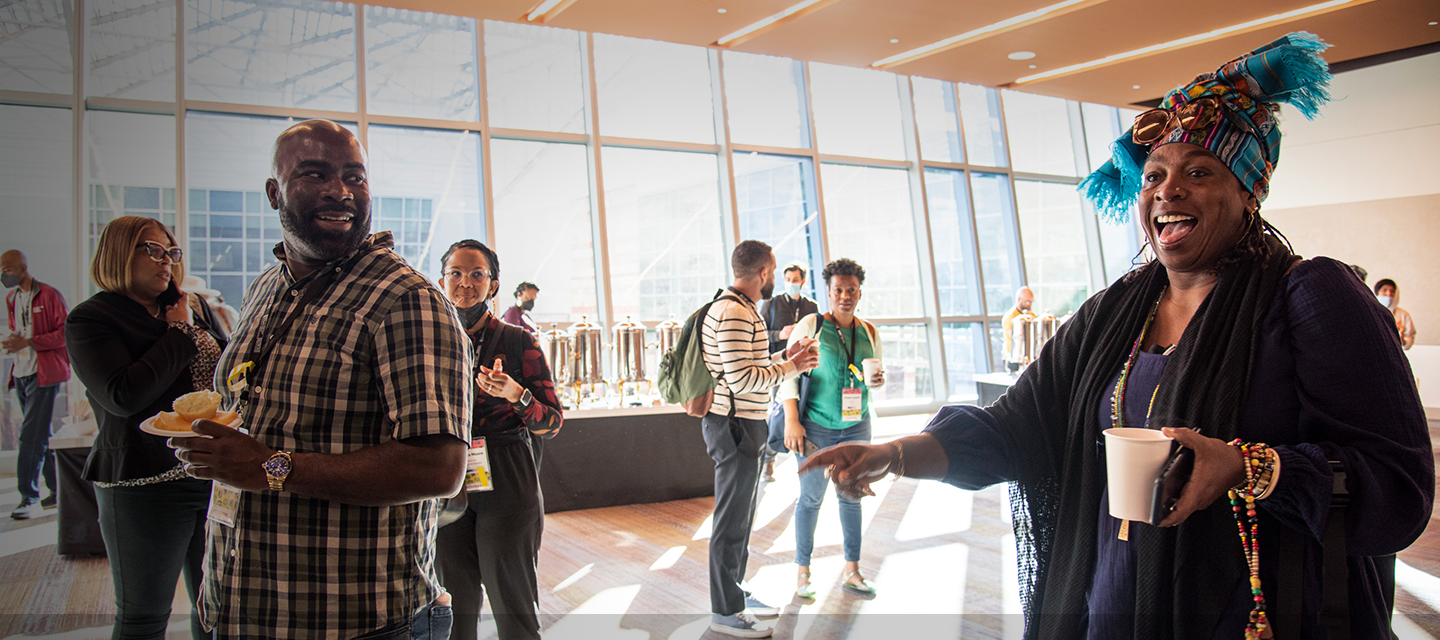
column 525, row 398
column 277, row 469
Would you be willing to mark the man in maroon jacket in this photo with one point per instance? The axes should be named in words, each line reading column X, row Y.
column 36, row 348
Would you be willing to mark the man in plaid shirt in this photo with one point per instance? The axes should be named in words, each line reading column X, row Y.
column 350, row 371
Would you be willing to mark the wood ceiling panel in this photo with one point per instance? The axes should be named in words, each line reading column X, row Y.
column 1105, row 29
column 858, row 32
column 694, row 22
column 1378, row 27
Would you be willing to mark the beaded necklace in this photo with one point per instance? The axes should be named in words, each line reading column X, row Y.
column 1117, row 408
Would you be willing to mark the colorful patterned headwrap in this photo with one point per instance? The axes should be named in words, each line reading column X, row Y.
column 1244, row 137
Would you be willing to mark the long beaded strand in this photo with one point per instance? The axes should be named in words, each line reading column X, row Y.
column 1259, row 466
column 1117, row 410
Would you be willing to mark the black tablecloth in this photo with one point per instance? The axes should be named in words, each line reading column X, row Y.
column 608, row 461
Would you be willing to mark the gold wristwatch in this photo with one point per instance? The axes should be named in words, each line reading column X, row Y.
column 277, row 468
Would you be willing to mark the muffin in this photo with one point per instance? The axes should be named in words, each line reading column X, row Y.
column 197, row 405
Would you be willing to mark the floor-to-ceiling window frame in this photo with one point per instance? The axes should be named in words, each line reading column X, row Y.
column 964, row 213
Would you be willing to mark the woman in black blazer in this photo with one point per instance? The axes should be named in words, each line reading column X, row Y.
column 137, row 345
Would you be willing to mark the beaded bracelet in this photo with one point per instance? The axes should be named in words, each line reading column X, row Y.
column 1259, row 467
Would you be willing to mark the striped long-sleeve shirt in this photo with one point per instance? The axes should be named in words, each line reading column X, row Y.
column 735, row 344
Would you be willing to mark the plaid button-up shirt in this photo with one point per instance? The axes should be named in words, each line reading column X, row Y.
column 379, row 356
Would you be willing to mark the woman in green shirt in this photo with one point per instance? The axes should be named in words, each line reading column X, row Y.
column 837, row 409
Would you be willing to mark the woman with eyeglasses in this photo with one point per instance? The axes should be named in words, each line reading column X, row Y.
column 1279, row 376
column 136, row 346
column 493, row 547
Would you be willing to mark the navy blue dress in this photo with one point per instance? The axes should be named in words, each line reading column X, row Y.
column 1330, row 382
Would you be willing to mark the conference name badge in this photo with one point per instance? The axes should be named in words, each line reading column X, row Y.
column 224, row 502
column 236, row 380
column 851, row 401
column 477, row 468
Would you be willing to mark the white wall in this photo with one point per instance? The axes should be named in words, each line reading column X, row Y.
column 1376, row 140
column 1361, row 183
column 1425, row 363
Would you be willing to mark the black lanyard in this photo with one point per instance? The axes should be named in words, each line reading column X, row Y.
column 260, row 354
column 849, row 347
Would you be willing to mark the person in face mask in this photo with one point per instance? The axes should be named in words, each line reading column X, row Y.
column 519, row 314
column 492, row 549
column 36, row 345
column 781, row 313
column 1389, row 295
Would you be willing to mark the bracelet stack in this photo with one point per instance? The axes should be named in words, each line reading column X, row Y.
column 897, row 465
column 1260, row 463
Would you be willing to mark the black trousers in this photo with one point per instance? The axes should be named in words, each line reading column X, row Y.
column 152, row 534
column 491, row 550
column 734, row 444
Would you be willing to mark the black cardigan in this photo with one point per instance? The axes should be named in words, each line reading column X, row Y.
column 133, row 366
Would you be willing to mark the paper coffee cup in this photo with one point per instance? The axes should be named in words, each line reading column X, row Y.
column 871, row 366
column 1133, row 461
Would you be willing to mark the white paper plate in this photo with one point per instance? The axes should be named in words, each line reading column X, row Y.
column 148, row 426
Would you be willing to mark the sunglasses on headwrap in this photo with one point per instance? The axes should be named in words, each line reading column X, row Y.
column 1196, row 114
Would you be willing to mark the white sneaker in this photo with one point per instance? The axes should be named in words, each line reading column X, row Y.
column 22, row 512
column 740, row 625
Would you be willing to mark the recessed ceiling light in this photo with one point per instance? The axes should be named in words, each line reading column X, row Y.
column 1032, row 66
column 1009, row 24
column 1433, row 23
column 1021, row 55
column 894, row 41
column 1136, row 86
column 1199, row 38
column 719, row 11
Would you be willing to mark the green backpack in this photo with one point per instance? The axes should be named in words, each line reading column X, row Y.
column 683, row 378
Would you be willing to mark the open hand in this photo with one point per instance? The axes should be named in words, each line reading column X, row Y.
column 1218, row 468
column 227, row 456
column 802, row 355
column 14, row 343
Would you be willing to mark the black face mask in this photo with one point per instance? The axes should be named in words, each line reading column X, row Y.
column 470, row 315
column 527, row 305
column 10, row 280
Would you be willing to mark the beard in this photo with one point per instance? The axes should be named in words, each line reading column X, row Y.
column 768, row 289
column 303, row 231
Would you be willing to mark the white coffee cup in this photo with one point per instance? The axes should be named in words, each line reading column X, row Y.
column 872, row 367
column 1133, row 461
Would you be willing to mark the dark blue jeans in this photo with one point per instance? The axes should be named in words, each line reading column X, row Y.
column 37, row 404
column 431, row 623
column 812, row 494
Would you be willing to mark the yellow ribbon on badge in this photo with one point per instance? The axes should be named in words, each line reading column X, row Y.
column 858, row 376
column 243, row 368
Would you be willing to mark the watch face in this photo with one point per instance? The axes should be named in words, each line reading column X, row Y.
column 277, row 466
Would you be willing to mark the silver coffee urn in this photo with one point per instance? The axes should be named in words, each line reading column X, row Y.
column 668, row 335
column 555, row 343
column 586, row 373
column 629, row 344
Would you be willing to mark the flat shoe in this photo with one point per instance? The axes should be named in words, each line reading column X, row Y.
column 862, row 589
column 806, row 590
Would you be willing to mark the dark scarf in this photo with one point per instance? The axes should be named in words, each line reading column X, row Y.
column 1196, row 567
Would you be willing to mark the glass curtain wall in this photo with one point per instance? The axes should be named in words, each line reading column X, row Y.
column 627, row 204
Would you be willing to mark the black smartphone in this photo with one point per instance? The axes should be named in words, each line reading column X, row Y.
column 168, row 297
column 810, row 448
column 1173, row 477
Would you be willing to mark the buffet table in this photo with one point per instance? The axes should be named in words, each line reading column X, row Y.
column 611, row 457
column 79, row 518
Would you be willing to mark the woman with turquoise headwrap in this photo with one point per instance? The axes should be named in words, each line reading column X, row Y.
column 1266, row 366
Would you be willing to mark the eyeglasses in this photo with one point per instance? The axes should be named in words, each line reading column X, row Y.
column 1196, row 114
column 455, row 275
column 158, row 252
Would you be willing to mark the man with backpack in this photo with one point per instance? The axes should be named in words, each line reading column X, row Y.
column 736, row 350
